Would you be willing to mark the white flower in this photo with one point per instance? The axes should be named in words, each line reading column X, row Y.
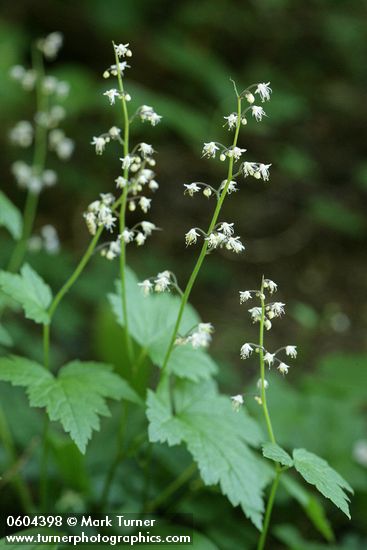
column 199, row 339
column 146, row 287
column 256, row 313
column 99, row 143
column 291, row 351
column 231, row 120
column 191, row 188
column 207, row 192
column 120, row 182
column 17, row 72
column 246, row 351
column 123, row 50
column 153, row 185
column 191, row 237
column 259, row 384
column 148, row 227
column 162, row 281
column 90, row 220
column 267, row 324
column 250, row 97
column 62, row 89
column 232, row 187
column 22, row 134
column 258, row 113
column 269, row 358
column 269, row 284
column 235, row 244
column 114, row 132
column 283, row 368
column 112, row 94
column 126, row 162
column 277, row 309
column 244, row 296
column 249, row 168
column 206, row 328
column 127, row 235
column 146, row 149
column 51, row 45
column 140, row 238
column 237, row 402
column 65, row 148
column 49, row 178
column 147, row 113
column 235, row 152
column 213, row 240
column 144, row 204
column 210, row 149
column 226, row 228
column 264, row 171
column 264, row 91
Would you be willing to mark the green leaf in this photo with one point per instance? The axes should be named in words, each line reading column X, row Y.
column 10, row 217
column 5, row 338
column 311, row 505
column 317, row 471
column 276, row 453
column 76, row 398
column 30, row 290
column 217, row 438
column 151, row 319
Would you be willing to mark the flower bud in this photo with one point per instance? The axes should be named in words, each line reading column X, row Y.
column 250, row 98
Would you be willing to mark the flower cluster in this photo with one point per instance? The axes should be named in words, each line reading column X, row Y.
column 137, row 177
column 222, row 236
column 265, row 313
column 47, row 118
column 161, row 283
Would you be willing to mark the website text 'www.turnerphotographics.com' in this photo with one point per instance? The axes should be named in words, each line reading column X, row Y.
column 108, row 530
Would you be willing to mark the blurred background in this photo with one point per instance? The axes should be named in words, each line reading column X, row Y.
column 305, row 228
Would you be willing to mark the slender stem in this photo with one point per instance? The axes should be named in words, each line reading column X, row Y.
column 278, row 471
column 122, row 217
column 172, row 488
column 43, row 486
column 204, row 248
column 269, row 508
column 39, row 159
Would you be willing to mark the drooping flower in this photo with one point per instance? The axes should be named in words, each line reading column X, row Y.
column 264, row 91
column 246, row 351
column 258, row 113
column 210, row 149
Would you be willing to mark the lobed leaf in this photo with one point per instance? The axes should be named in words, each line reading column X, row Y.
column 317, row 471
column 276, row 453
column 30, row 290
column 76, row 397
column 218, row 439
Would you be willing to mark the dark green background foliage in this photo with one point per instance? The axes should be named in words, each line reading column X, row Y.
column 305, row 229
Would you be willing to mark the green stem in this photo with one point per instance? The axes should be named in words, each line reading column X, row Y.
column 39, row 160
column 122, row 217
column 43, row 487
column 172, row 488
column 204, row 248
column 269, row 508
column 278, row 471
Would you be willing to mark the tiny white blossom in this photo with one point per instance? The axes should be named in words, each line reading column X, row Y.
column 191, row 237
column 191, row 188
column 49, row 178
column 264, row 171
column 120, row 182
column 127, row 235
column 360, row 452
column 267, row 324
column 249, row 168
column 283, row 368
column 114, row 132
column 140, row 238
column 199, row 339
column 112, row 94
column 269, row 358
column 258, row 113
column 22, row 134
column 256, row 313
column 213, row 240
column 235, row 244
column 147, row 113
column 244, row 296
column 122, row 50
column 250, row 97
column 144, row 204
column 246, row 351
column 235, row 152
column 237, row 402
column 291, row 351
column 126, row 162
column 269, row 284
column 148, row 227
column 99, row 143
column 277, row 309
column 206, row 328
column 231, row 120
column 65, row 148
column 90, row 220
column 210, row 149
column 51, row 45
column 226, row 228
column 146, row 287
column 146, row 149
column 162, row 281
column 264, row 91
